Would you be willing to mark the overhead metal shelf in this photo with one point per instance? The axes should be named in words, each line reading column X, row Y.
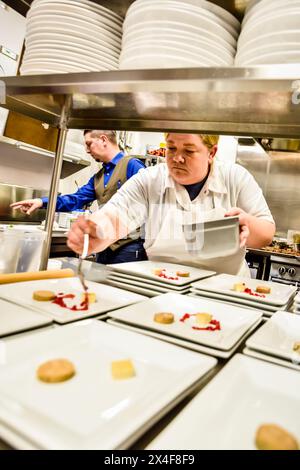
column 254, row 101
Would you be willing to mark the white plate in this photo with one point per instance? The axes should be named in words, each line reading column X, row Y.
column 187, row 16
column 268, row 358
column 223, row 284
column 86, row 4
column 277, row 336
column 227, row 298
column 269, row 39
column 108, row 298
column 163, row 62
column 139, row 290
column 184, row 52
column 235, row 321
column 167, row 9
column 226, row 414
column 15, row 318
column 144, row 269
column 80, row 57
column 164, row 27
column 73, row 46
column 93, row 411
column 183, row 343
column 267, row 7
column 146, row 282
column 288, row 57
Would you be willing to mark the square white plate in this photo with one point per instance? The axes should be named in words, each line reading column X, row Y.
column 235, row 321
column 108, row 298
column 268, row 358
column 223, row 284
column 146, row 282
column 236, row 300
column 277, row 336
column 226, row 414
column 92, row 410
column 14, row 318
column 144, row 269
column 182, row 342
column 139, row 290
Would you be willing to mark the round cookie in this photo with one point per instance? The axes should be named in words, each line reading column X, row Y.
column 263, row 290
column 182, row 273
column 273, row 437
column 43, row 295
column 164, row 317
column 56, row 370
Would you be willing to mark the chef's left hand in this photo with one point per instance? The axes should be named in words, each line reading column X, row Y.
column 244, row 223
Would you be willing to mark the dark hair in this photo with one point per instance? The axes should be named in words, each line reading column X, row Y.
column 111, row 135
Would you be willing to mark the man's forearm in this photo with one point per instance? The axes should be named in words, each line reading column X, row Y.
column 261, row 232
column 110, row 227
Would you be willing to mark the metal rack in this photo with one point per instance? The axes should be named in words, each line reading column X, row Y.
column 254, row 101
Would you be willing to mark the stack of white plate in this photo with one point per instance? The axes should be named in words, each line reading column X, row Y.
column 277, row 341
column 139, row 277
column 270, row 34
column 236, row 323
column 221, row 287
column 178, row 33
column 71, row 36
column 296, row 304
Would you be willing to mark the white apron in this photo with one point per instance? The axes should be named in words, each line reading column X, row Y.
column 172, row 242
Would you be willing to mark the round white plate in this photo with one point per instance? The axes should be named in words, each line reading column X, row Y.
column 269, row 39
column 88, row 5
column 66, row 10
column 250, row 54
column 166, row 62
column 288, row 57
column 196, row 48
column 170, row 6
column 162, row 28
column 72, row 38
column 82, row 59
column 189, row 18
column 277, row 22
column 268, row 6
column 54, row 20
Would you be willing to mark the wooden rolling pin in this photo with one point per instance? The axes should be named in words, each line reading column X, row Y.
column 34, row 276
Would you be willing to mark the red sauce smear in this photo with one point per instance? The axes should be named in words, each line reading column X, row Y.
column 249, row 291
column 165, row 276
column 213, row 325
column 59, row 300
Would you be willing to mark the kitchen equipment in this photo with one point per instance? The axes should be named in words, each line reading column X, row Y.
column 31, row 248
column 82, row 257
column 10, row 248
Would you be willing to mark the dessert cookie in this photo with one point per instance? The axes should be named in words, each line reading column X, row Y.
column 203, row 318
column 56, row 370
column 164, row 317
column 91, row 297
column 239, row 287
column 157, row 271
column 263, row 290
column 273, row 437
column 122, row 369
column 296, row 347
column 43, row 295
column 182, row 273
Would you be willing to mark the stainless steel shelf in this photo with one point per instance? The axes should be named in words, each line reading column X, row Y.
column 254, row 101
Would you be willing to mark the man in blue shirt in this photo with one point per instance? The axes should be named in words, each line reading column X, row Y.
column 116, row 170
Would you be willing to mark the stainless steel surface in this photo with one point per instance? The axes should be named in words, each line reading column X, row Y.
column 237, row 7
column 62, row 135
column 11, row 193
column 92, row 271
column 257, row 101
column 281, row 145
column 285, row 271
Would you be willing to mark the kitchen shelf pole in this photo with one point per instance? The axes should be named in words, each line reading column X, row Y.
column 57, row 166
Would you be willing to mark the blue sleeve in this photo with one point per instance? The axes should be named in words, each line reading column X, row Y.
column 133, row 167
column 71, row 202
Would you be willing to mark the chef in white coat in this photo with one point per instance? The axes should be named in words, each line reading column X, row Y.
column 189, row 188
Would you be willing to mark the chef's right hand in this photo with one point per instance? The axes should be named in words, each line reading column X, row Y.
column 28, row 206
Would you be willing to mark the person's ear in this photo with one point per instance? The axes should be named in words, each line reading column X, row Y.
column 212, row 153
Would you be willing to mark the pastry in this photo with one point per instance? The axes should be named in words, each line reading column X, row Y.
column 43, row 295
column 182, row 273
column 56, row 370
column 239, row 287
column 296, row 347
column 91, row 297
column 122, row 369
column 263, row 290
column 203, row 318
column 164, row 317
column 157, row 271
column 273, row 437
